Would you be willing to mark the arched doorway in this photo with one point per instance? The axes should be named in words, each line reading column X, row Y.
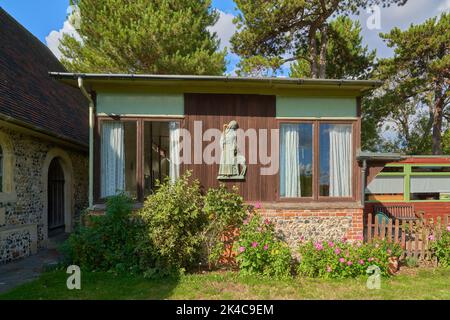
column 56, row 198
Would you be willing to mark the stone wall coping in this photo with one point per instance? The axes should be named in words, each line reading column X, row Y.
column 310, row 205
column 17, row 227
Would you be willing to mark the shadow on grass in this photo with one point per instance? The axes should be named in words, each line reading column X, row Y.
column 94, row 286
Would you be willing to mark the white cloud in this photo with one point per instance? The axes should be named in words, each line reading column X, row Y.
column 224, row 28
column 54, row 37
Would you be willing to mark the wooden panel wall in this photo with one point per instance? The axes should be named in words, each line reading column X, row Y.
column 250, row 111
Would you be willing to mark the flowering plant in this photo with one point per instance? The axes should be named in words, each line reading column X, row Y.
column 441, row 247
column 259, row 251
column 341, row 259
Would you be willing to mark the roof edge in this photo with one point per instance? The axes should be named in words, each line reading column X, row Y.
column 262, row 80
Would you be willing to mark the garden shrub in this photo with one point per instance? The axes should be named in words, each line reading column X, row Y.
column 225, row 212
column 341, row 259
column 441, row 247
column 174, row 221
column 259, row 251
column 112, row 242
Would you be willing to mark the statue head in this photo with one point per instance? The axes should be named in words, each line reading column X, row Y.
column 233, row 125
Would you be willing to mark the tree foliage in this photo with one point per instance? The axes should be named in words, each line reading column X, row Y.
column 141, row 36
column 415, row 93
column 346, row 56
column 280, row 31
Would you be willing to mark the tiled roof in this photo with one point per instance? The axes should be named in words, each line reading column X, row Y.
column 29, row 94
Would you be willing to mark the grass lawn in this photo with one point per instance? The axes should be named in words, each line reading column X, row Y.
column 415, row 284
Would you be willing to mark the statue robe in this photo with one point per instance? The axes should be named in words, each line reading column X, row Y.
column 228, row 160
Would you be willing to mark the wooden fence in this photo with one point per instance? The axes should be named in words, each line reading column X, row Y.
column 413, row 235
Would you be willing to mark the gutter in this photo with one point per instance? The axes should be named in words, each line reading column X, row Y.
column 227, row 79
column 91, row 141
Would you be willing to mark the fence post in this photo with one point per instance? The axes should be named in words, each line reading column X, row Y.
column 389, row 230
column 396, row 231
column 376, row 230
column 369, row 227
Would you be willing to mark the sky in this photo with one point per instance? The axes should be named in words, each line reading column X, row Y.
column 47, row 20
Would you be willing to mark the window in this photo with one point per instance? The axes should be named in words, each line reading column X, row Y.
column 118, row 158
column 335, row 160
column 156, row 154
column 430, row 187
column 132, row 162
column 398, row 169
column 299, row 177
column 1, row 169
column 386, row 188
column 430, row 169
column 296, row 159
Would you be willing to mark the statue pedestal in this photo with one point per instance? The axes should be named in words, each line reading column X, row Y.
column 230, row 177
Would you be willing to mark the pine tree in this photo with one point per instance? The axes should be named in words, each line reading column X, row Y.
column 144, row 36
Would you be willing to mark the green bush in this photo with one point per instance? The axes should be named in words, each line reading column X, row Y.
column 343, row 259
column 225, row 212
column 174, row 221
column 259, row 251
column 441, row 247
column 112, row 242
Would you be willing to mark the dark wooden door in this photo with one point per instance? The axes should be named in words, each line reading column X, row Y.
column 55, row 198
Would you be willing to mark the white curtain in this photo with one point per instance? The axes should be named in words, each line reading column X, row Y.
column 112, row 158
column 290, row 161
column 174, row 151
column 340, row 161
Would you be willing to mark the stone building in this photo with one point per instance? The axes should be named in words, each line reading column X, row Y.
column 43, row 145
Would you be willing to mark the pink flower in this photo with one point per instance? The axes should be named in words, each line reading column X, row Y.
column 258, row 205
column 341, row 260
column 245, row 221
column 337, row 251
column 254, row 244
column 370, row 259
column 389, row 251
column 376, row 245
column 448, row 228
column 302, row 238
column 266, row 247
column 329, row 269
column 241, row 249
column 358, row 244
column 266, row 221
column 344, row 239
column 349, row 263
column 259, row 229
column 431, row 237
column 318, row 246
column 330, row 244
column 361, row 261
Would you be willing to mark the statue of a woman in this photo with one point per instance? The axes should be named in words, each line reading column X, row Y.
column 230, row 158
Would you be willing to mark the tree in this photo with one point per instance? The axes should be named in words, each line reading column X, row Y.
column 346, row 57
column 141, row 36
column 271, row 33
column 415, row 94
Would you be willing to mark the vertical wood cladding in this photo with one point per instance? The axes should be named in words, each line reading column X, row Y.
column 251, row 112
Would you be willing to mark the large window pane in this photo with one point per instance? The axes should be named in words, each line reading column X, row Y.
column 156, row 154
column 296, row 160
column 335, row 153
column 118, row 158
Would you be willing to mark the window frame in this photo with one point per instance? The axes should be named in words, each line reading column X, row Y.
column 407, row 173
column 139, row 150
column 316, row 197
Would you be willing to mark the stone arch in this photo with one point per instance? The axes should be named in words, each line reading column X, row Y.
column 66, row 164
column 9, row 163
